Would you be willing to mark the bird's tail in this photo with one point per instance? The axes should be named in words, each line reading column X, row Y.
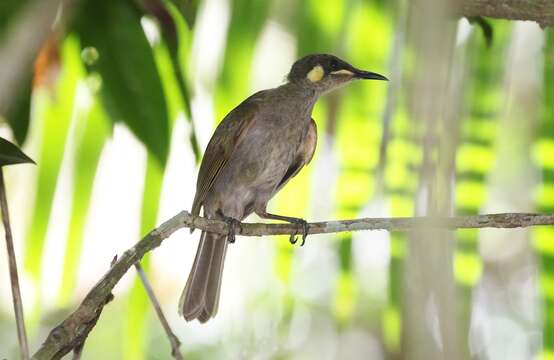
column 200, row 298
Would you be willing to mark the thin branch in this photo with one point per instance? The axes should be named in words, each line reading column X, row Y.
column 78, row 351
column 173, row 339
column 14, row 278
column 71, row 332
column 541, row 11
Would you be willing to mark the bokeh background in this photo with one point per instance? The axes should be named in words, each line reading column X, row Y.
column 123, row 98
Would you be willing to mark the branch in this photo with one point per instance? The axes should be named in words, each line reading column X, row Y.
column 14, row 278
column 541, row 11
column 173, row 339
column 67, row 335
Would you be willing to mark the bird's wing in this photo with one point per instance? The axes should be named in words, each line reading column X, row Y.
column 304, row 155
column 227, row 136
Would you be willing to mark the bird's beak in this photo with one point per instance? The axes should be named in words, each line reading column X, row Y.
column 361, row 74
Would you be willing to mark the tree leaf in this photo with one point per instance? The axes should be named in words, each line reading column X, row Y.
column 92, row 129
column 51, row 119
column 188, row 8
column 131, row 87
column 19, row 113
column 11, row 154
column 9, row 10
column 135, row 324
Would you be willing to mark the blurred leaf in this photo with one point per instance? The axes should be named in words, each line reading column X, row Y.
column 11, row 154
column 134, row 338
column 187, row 8
column 45, row 74
column 52, row 116
column 476, row 156
column 19, row 113
column 47, row 63
column 131, row 87
column 179, row 57
column 158, row 9
column 545, row 199
column 91, row 132
column 9, row 12
column 234, row 81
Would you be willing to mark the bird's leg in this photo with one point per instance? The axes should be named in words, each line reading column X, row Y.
column 300, row 222
column 233, row 225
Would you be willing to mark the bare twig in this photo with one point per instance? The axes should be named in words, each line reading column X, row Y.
column 509, row 220
column 541, row 11
column 78, row 351
column 72, row 333
column 173, row 340
column 67, row 335
column 14, row 278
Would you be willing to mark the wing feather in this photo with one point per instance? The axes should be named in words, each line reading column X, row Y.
column 226, row 138
column 304, row 156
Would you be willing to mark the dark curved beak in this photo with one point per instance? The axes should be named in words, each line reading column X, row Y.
column 361, row 74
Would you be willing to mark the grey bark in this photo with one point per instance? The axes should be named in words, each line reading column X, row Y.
column 541, row 11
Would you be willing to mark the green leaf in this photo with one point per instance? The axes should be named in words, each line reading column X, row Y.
column 9, row 10
column 131, row 87
column 233, row 84
column 136, row 329
column 92, row 129
column 543, row 236
column 188, row 8
column 19, row 113
column 51, row 118
column 11, row 154
column 179, row 58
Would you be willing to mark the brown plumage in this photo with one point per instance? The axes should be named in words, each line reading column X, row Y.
column 257, row 148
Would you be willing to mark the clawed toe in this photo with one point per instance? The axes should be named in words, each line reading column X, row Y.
column 233, row 225
column 305, row 227
column 293, row 240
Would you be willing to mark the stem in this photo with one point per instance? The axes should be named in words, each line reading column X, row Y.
column 14, row 278
column 173, row 340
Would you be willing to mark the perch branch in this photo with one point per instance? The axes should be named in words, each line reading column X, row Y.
column 72, row 331
column 541, row 11
column 173, row 339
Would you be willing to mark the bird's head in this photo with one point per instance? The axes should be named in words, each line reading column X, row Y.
column 324, row 72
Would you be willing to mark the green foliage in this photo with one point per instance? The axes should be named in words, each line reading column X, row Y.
column 11, row 154
column 9, row 10
column 128, row 70
column 18, row 115
column 135, row 330
column 543, row 237
column 91, row 132
column 188, row 9
column 234, row 79
column 52, row 116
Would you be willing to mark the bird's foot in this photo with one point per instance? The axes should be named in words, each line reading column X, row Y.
column 233, row 224
column 305, row 227
column 300, row 222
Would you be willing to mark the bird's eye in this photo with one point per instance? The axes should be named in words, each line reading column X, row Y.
column 334, row 65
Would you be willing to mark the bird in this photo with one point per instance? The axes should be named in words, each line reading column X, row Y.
column 254, row 151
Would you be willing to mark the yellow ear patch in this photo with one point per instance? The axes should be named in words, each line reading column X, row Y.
column 316, row 73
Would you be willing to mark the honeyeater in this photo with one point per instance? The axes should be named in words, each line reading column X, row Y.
column 256, row 149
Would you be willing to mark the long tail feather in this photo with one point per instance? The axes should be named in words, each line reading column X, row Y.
column 200, row 298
